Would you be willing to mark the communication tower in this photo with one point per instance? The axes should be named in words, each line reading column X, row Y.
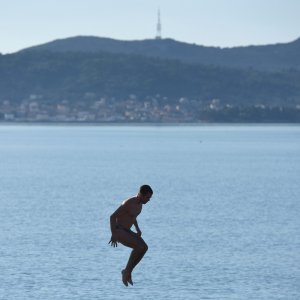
column 158, row 27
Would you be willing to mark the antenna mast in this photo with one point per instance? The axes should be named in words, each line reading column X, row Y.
column 158, row 26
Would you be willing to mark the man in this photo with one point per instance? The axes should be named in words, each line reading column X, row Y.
column 121, row 221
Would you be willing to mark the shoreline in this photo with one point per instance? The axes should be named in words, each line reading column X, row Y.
column 147, row 124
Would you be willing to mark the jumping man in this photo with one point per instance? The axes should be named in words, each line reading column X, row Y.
column 120, row 223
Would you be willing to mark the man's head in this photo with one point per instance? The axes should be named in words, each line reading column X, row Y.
column 145, row 193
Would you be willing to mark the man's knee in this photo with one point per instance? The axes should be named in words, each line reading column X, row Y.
column 143, row 247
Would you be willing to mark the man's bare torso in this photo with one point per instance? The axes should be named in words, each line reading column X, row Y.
column 133, row 209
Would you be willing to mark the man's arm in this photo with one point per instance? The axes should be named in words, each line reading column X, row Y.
column 113, row 224
column 117, row 214
column 138, row 231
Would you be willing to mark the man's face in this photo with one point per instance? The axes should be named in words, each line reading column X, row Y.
column 146, row 198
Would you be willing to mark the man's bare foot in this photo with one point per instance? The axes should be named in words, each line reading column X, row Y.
column 126, row 277
column 129, row 279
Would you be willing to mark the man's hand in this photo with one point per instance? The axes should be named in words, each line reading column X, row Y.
column 113, row 241
column 137, row 228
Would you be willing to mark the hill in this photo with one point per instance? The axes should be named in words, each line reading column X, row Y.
column 267, row 58
column 64, row 82
column 65, row 75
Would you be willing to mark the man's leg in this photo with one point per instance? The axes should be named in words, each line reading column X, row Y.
column 136, row 255
column 139, row 247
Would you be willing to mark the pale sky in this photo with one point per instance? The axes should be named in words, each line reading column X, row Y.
column 222, row 23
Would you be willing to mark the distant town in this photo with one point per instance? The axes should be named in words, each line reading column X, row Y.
column 151, row 109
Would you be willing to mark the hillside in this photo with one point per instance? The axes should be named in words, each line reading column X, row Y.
column 40, row 84
column 267, row 58
column 63, row 75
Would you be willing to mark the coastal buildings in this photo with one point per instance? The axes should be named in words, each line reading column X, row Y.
column 151, row 109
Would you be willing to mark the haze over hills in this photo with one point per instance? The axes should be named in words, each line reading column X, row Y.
column 268, row 58
column 98, row 80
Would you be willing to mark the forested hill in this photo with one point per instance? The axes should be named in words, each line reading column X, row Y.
column 64, row 75
column 96, row 79
column 274, row 57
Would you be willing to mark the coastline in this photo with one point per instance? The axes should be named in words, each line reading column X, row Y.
column 147, row 124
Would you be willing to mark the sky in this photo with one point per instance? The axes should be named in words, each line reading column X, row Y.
column 220, row 23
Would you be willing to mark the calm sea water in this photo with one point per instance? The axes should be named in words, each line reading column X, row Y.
column 223, row 222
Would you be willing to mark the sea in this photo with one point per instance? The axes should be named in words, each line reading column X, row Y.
column 223, row 222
